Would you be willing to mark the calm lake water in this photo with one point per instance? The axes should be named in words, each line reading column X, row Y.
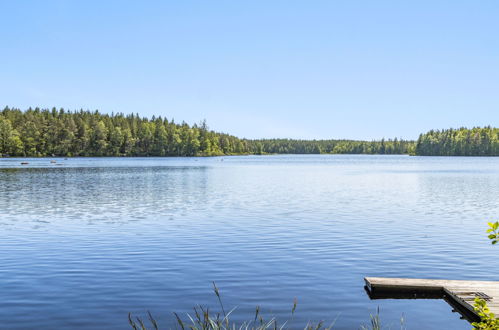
column 86, row 242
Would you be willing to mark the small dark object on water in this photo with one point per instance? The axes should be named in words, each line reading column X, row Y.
column 24, row 163
column 53, row 161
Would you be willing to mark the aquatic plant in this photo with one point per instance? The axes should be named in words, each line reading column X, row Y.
column 205, row 319
column 375, row 322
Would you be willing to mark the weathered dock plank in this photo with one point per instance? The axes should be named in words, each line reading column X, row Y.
column 461, row 292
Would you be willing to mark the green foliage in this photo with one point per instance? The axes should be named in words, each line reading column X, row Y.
column 488, row 320
column 38, row 133
column 493, row 232
column 9, row 138
column 477, row 141
column 205, row 319
column 287, row 146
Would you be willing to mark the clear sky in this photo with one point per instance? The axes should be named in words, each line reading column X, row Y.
column 299, row 69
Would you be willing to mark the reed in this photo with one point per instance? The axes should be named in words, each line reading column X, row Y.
column 205, row 319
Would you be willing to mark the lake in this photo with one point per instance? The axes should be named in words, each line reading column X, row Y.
column 84, row 241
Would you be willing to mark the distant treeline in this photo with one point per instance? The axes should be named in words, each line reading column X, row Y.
column 286, row 146
column 477, row 141
column 38, row 133
column 57, row 132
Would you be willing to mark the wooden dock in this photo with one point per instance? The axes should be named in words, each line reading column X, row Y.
column 460, row 294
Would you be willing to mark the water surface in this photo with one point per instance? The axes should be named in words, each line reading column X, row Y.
column 87, row 241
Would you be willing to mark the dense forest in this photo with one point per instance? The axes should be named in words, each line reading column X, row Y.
column 57, row 132
column 37, row 133
column 477, row 141
column 286, row 146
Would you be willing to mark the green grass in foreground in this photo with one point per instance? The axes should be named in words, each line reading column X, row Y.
column 205, row 319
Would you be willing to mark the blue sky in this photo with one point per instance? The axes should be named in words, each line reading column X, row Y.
column 299, row 69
